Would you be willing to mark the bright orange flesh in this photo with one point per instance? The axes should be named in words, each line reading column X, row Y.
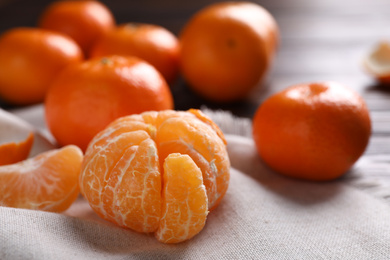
column 184, row 198
column 125, row 172
column 47, row 182
column 197, row 140
column 14, row 152
column 124, row 178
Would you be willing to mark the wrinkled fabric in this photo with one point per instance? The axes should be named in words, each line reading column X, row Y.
column 263, row 216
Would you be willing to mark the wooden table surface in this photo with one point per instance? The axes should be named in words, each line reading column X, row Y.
column 320, row 40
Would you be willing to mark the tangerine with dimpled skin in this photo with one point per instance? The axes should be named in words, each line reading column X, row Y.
column 83, row 21
column 150, row 42
column 227, row 49
column 143, row 168
column 86, row 97
column 30, row 59
column 314, row 131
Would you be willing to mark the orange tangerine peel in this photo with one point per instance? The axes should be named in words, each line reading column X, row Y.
column 19, row 140
column 16, row 151
column 16, row 138
column 377, row 63
column 157, row 172
column 48, row 181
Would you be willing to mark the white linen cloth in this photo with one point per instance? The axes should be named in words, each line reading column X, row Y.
column 263, row 216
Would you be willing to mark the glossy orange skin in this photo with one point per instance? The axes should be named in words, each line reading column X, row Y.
column 84, row 21
column 312, row 131
column 14, row 152
column 86, row 97
column 30, row 58
column 227, row 49
column 152, row 43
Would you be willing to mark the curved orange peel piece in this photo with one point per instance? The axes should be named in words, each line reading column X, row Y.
column 19, row 139
column 377, row 63
column 14, row 152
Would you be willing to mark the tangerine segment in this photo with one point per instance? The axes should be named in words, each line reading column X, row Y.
column 14, row 152
column 201, row 116
column 121, row 179
column 47, row 181
column 202, row 144
column 184, row 200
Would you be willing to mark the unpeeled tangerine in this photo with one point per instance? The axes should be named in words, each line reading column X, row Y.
column 157, row 172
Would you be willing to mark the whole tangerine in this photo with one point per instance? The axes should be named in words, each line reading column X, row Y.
column 314, row 131
column 30, row 58
column 84, row 21
column 150, row 42
column 86, row 97
column 227, row 49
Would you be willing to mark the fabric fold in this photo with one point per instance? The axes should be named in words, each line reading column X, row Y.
column 263, row 216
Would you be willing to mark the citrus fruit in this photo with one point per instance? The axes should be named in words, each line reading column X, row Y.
column 183, row 192
column 227, row 48
column 84, row 21
column 314, row 131
column 152, row 43
column 157, row 172
column 88, row 96
column 29, row 60
column 377, row 63
column 48, row 181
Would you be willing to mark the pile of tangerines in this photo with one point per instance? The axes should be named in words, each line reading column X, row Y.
column 138, row 162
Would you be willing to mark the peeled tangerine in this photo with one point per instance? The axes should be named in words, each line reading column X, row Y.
column 157, row 172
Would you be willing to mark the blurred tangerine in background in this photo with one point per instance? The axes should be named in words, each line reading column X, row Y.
column 83, row 21
column 88, row 96
column 377, row 62
column 227, row 49
column 152, row 43
column 30, row 58
column 314, row 131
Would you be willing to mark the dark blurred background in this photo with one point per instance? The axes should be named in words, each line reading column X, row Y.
column 320, row 40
